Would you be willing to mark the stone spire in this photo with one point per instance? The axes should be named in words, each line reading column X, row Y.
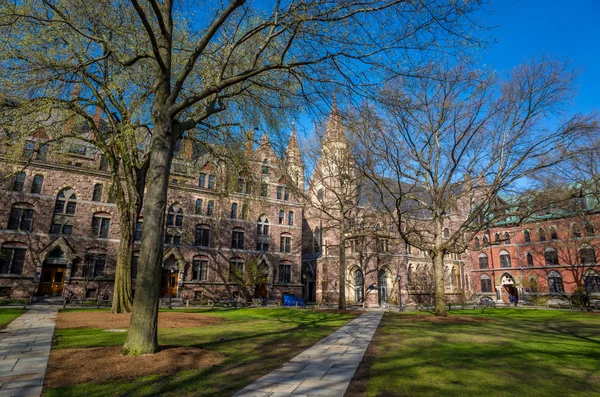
column 293, row 160
column 334, row 131
column 293, row 150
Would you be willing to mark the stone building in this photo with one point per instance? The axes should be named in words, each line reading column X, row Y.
column 60, row 229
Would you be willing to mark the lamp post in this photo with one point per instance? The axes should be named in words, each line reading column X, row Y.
column 400, row 290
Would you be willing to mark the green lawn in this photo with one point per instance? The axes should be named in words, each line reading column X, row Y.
column 255, row 341
column 7, row 315
column 518, row 352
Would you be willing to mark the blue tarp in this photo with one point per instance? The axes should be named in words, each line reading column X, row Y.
column 292, row 300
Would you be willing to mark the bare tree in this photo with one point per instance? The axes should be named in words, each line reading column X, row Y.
column 441, row 150
column 247, row 59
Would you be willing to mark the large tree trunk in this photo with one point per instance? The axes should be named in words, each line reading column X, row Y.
column 143, row 331
column 440, row 293
column 342, row 293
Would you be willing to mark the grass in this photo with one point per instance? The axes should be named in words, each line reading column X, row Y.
column 7, row 315
column 515, row 352
column 255, row 341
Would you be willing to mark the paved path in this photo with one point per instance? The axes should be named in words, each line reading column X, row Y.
column 325, row 369
column 24, row 350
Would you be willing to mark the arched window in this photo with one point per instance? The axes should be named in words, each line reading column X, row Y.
column 589, row 229
column 504, row 259
column 542, row 234
column 555, row 283
column 551, row 257
column 533, row 285
column 66, row 202
column 320, row 194
column 262, row 226
column 285, row 243
column 100, row 224
column 12, row 258
column 36, row 186
column 175, row 216
column 497, row 237
column 587, row 255
column 553, row 233
column 21, row 217
column 476, row 242
column 200, row 268
column 19, row 182
column 446, row 233
column 285, row 272
column 592, row 282
column 202, row 236
column 485, row 241
column 486, row 283
column 382, row 286
column 506, row 238
column 576, row 230
column 483, row 261
column 359, row 286
column 526, row 236
column 529, row 259
column 97, row 194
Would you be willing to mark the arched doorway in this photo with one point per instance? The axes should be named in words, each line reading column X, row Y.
column 261, row 291
column 52, row 277
column 170, row 276
column 382, row 287
column 508, row 284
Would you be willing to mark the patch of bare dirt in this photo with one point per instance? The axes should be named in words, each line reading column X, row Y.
column 448, row 319
column 103, row 364
column 106, row 320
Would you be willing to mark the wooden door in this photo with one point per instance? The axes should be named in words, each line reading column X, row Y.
column 52, row 281
column 168, row 284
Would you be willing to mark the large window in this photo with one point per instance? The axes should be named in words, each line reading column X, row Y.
column 36, row 185
column 359, row 286
column 95, row 264
column 529, row 259
column 504, row 259
column 237, row 239
column 12, row 258
column 66, row 202
column 97, row 194
column 175, row 216
column 202, row 236
column 100, row 225
column 486, row 283
column 587, row 255
column 592, row 282
column 19, row 182
column 555, row 283
column 200, row 268
column 483, row 261
column 285, row 273
column 526, row 236
column 21, row 217
column 551, row 257
column 236, row 270
column 285, row 243
column 262, row 226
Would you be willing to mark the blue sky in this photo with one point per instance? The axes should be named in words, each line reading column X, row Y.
column 560, row 28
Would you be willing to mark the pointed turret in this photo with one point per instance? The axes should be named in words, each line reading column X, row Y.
column 293, row 160
column 334, row 131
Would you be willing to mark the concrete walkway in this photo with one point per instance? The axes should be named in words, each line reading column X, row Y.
column 24, row 350
column 325, row 369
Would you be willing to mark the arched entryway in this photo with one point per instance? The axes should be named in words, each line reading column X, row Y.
column 508, row 284
column 261, row 291
column 54, row 270
column 170, row 277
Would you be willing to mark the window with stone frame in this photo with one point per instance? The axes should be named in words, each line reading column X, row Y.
column 291, row 218
column 210, row 208
column 483, row 261
column 589, row 229
column 28, row 149
column 279, row 192
column 12, row 258
column 555, row 283
column 542, row 234
column 281, row 216
column 591, row 281
column 202, row 236
column 138, row 230
column 36, row 185
column 97, row 193
column 237, row 239
column 529, row 258
column 506, row 238
column 285, row 243
column 18, row 182
column 21, row 217
column 234, row 210
column 265, row 167
column 553, row 233
column 526, row 236
column 101, row 225
column 504, row 259
column 64, row 212
column 285, row 272
column 198, row 208
column 264, row 189
column 587, row 255
column 236, row 270
column 262, row 246
column 262, row 226
column 486, row 283
column 551, row 257
column 476, row 243
column 200, row 268
column 95, row 264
